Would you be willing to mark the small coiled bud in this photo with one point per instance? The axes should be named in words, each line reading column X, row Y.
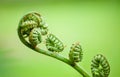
column 100, row 66
column 35, row 37
column 54, row 44
column 75, row 54
column 44, row 27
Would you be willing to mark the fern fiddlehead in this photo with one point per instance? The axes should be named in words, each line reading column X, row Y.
column 30, row 31
column 76, row 53
column 54, row 44
column 35, row 37
column 28, row 22
column 100, row 66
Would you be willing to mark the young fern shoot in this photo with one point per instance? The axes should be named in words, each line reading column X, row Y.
column 100, row 66
column 76, row 53
column 32, row 28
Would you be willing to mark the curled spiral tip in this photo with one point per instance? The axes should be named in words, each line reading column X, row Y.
column 30, row 21
column 54, row 44
column 35, row 37
column 100, row 66
column 75, row 53
column 31, row 27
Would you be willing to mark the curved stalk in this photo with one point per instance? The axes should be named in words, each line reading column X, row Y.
column 67, row 61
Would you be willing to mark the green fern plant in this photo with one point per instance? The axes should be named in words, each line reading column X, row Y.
column 32, row 28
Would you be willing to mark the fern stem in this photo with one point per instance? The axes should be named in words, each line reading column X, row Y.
column 57, row 56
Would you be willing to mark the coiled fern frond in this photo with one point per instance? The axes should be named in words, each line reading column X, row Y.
column 32, row 26
column 30, row 21
column 35, row 37
column 100, row 66
column 54, row 44
column 75, row 53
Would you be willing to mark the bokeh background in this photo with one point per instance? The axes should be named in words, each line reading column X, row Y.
column 94, row 23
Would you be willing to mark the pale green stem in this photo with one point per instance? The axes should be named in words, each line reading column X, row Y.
column 67, row 61
column 55, row 55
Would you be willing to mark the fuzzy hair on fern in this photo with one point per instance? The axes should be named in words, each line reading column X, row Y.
column 32, row 28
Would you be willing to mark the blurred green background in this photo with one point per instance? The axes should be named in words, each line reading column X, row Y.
column 94, row 23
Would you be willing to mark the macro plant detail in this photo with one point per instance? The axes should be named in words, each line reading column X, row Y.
column 76, row 53
column 53, row 43
column 100, row 66
column 35, row 37
column 31, row 30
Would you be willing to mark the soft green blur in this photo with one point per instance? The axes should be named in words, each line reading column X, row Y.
column 95, row 24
